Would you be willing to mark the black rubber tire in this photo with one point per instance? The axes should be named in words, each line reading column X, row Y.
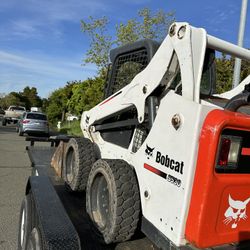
column 78, row 160
column 113, row 200
column 35, row 240
column 3, row 122
column 25, row 222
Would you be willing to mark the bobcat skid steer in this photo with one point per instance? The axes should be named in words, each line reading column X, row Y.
column 163, row 152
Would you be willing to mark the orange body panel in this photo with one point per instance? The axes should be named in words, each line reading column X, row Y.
column 207, row 222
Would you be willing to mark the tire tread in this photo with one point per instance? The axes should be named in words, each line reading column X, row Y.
column 127, row 199
column 85, row 157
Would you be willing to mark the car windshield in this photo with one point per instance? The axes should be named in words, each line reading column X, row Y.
column 18, row 108
column 36, row 116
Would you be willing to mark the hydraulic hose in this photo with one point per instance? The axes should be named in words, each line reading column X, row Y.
column 237, row 101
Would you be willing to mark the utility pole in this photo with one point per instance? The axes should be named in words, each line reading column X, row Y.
column 237, row 65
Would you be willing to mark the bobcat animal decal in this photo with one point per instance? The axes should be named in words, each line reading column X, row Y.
column 149, row 151
column 236, row 211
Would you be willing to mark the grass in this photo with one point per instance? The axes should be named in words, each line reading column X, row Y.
column 71, row 128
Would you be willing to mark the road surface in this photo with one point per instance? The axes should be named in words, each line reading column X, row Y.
column 14, row 171
column 15, row 168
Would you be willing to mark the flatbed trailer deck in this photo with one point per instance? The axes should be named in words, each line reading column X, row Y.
column 69, row 212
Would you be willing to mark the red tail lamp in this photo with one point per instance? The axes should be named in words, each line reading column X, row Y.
column 229, row 150
column 25, row 121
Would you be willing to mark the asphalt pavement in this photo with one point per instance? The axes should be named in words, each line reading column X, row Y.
column 14, row 171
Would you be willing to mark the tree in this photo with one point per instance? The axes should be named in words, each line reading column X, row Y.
column 100, row 41
column 151, row 26
column 30, row 97
column 12, row 98
column 146, row 25
column 224, row 73
column 75, row 97
column 86, row 95
column 57, row 104
column 245, row 69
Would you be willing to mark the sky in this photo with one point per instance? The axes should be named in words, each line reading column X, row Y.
column 42, row 45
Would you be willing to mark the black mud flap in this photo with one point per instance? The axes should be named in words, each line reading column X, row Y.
column 57, row 230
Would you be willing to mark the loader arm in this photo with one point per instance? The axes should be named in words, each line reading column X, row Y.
column 135, row 94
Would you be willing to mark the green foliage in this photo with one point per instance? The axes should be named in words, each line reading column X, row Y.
column 71, row 128
column 146, row 25
column 74, row 98
column 245, row 69
column 31, row 98
column 57, row 103
column 100, row 41
column 12, row 98
column 127, row 33
column 224, row 74
column 56, row 106
column 27, row 98
column 86, row 95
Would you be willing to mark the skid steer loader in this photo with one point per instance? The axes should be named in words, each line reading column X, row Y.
column 163, row 152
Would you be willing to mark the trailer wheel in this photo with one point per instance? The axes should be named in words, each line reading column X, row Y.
column 79, row 158
column 35, row 240
column 25, row 222
column 112, row 200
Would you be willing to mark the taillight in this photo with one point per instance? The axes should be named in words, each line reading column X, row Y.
column 25, row 121
column 229, row 150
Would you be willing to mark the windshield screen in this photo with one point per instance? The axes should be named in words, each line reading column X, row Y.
column 17, row 109
column 36, row 116
column 208, row 78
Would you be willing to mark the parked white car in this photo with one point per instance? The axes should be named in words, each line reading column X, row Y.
column 71, row 117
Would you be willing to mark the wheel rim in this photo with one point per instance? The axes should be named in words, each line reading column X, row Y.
column 34, row 240
column 100, row 201
column 37, row 239
column 70, row 165
column 22, row 227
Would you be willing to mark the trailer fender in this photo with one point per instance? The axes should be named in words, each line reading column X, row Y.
column 57, row 230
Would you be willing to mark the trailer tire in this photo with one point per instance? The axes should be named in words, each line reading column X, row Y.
column 78, row 160
column 35, row 240
column 25, row 222
column 112, row 200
